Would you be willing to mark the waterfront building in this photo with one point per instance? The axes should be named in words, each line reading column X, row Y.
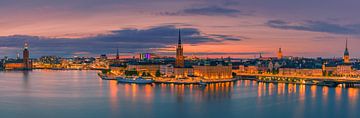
column 167, row 70
column 183, row 72
column 47, row 62
column 213, row 70
column 20, row 64
column 144, row 68
column 344, row 70
column 117, row 70
column 14, row 65
column 301, row 72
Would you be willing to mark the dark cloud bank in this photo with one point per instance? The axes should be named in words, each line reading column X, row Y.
column 208, row 11
column 316, row 26
column 127, row 40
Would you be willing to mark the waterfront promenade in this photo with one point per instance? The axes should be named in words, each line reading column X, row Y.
column 317, row 78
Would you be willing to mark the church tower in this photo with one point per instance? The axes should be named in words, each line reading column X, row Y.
column 346, row 54
column 179, row 53
column 279, row 54
column 26, row 61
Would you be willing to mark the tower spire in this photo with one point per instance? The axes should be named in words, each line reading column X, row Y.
column 179, row 53
column 179, row 42
column 26, row 45
column 117, row 54
column 346, row 52
column 346, row 43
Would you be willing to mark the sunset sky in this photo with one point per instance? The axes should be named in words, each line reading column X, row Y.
column 210, row 28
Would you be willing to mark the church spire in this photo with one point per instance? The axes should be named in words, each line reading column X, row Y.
column 117, row 54
column 346, row 47
column 346, row 53
column 179, row 42
column 179, row 53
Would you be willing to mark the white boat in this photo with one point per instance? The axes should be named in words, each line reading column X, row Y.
column 136, row 80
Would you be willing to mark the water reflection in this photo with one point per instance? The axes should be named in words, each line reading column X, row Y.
column 25, row 79
column 218, row 91
column 113, row 90
column 82, row 94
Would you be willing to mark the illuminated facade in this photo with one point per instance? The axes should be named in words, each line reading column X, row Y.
column 344, row 70
column 14, row 66
column 213, row 72
column 183, row 72
column 167, row 70
column 300, row 72
column 147, row 68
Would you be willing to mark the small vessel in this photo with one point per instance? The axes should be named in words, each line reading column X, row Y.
column 136, row 80
column 309, row 83
column 105, row 77
column 202, row 83
column 327, row 83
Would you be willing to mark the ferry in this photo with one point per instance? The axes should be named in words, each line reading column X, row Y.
column 136, row 80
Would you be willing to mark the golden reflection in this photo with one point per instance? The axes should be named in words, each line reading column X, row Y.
column 270, row 88
column 280, row 88
column 180, row 92
column 353, row 94
column 148, row 93
column 302, row 90
column 338, row 91
column 133, row 90
column 127, row 89
column 218, row 91
column 313, row 91
column 325, row 93
column 113, row 95
column 291, row 88
column 261, row 89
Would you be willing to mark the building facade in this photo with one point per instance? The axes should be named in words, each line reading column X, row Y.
column 213, row 72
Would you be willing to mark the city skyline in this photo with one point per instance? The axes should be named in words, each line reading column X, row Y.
column 210, row 28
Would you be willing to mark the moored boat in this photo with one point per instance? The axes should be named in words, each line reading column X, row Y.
column 326, row 83
column 136, row 80
column 202, row 83
column 106, row 77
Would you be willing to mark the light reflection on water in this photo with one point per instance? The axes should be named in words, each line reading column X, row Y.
column 47, row 93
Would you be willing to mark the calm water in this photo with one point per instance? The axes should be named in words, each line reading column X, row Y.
column 81, row 94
